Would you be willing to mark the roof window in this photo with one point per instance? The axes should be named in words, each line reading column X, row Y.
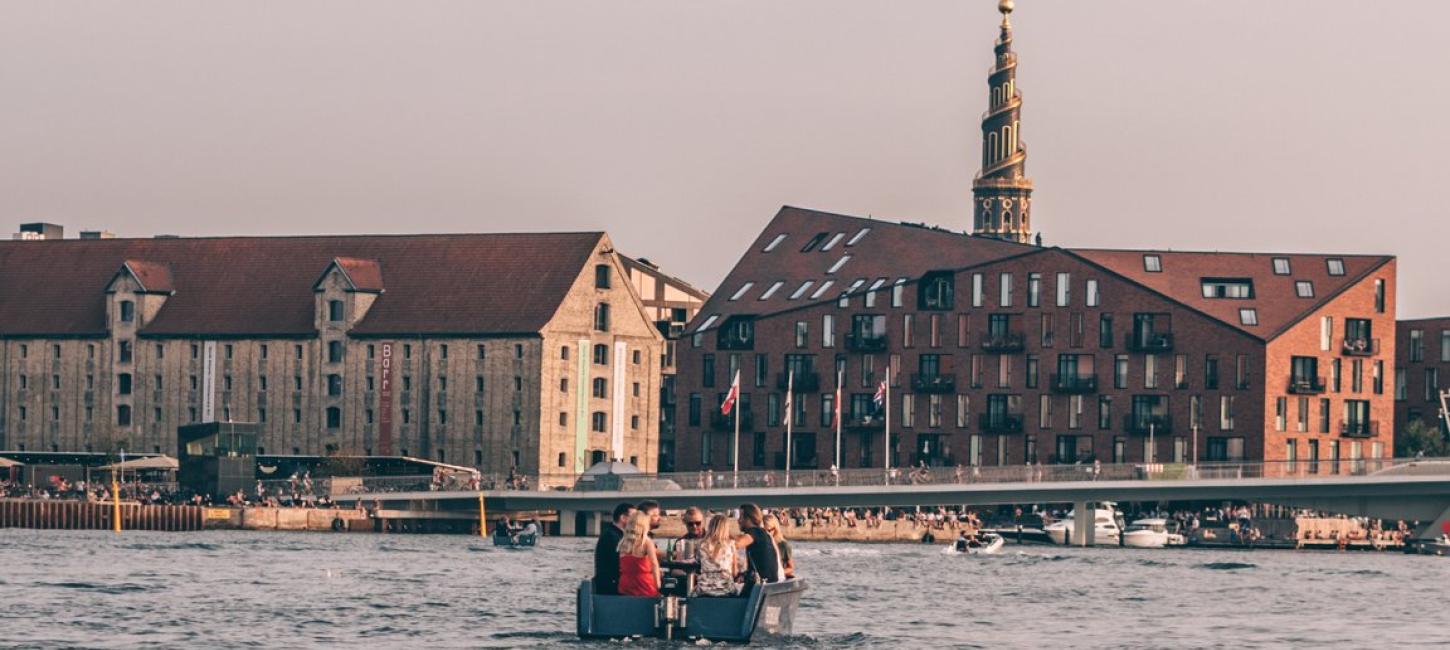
column 773, row 243
column 835, row 239
column 815, row 241
column 1304, row 289
column 839, row 263
column 801, row 290
column 856, row 238
column 855, row 285
column 1249, row 316
column 741, row 291
column 771, row 291
column 1281, row 266
column 821, row 290
column 1230, row 288
column 1152, row 264
column 1336, row 266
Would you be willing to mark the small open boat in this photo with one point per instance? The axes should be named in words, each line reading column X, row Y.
column 990, row 544
column 765, row 610
column 516, row 540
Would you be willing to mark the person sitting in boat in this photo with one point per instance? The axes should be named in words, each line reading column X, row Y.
column 963, row 542
column 531, row 530
column 782, row 547
column 716, row 554
column 639, row 566
column 606, row 551
column 763, row 561
column 682, row 549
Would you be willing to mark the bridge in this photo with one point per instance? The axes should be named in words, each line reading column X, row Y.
column 1400, row 489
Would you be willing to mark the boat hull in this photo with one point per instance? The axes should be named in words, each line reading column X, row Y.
column 1145, row 539
column 516, row 541
column 992, row 547
column 767, row 610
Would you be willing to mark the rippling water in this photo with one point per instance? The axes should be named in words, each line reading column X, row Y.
column 227, row 589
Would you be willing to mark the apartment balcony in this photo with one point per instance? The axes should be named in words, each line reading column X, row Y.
column 1360, row 347
column 937, row 383
column 1359, row 428
column 1148, row 424
column 1150, row 342
column 873, row 422
column 1000, row 422
column 721, row 422
column 805, row 382
column 1004, row 343
column 1074, row 384
column 1306, row 385
column 858, row 342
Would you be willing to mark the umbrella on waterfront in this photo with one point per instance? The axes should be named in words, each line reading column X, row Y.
column 150, row 462
column 6, row 463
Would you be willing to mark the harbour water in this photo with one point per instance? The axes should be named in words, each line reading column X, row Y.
column 232, row 588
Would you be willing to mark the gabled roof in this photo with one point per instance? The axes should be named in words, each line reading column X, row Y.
column 153, row 277
column 1275, row 297
column 876, row 249
column 471, row 284
column 362, row 275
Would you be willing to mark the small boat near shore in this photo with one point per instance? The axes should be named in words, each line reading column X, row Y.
column 989, row 544
column 1153, row 533
column 766, row 610
column 1440, row 546
column 516, row 540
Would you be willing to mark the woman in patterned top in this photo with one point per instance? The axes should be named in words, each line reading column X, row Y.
column 716, row 554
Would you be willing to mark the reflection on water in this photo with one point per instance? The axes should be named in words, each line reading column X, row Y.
column 224, row 588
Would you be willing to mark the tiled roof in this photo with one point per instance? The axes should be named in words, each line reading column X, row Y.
column 252, row 286
column 365, row 275
column 1275, row 297
column 154, row 278
column 842, row 250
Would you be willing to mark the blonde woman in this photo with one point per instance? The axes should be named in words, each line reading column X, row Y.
column 639, row 567
column 717, row 558
column 782, row 547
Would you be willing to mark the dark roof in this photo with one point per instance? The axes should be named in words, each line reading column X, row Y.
column 1275, row 298
column 253, row 286
column 887, row 250
column 154, row 278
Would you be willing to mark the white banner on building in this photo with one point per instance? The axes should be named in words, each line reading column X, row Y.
column 617, row 426
column 208, row 381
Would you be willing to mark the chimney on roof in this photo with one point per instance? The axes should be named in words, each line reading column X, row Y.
column 40, row 230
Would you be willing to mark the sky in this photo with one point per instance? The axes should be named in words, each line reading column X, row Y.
column 682, row 126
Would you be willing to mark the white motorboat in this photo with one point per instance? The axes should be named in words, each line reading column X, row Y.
column 1106, row 529
column 1153, row 533
column 985, row 544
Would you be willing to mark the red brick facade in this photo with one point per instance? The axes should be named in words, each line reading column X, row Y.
column 1422, row 362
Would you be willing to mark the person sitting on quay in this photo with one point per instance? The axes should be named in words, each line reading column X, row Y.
column 639, row 564
column 716, row 555
column 606, row 551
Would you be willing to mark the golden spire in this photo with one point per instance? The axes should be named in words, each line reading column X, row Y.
column 1002, row 191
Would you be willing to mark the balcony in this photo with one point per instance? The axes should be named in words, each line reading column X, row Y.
column 1359, row 428
column 805, row 382
column 1148, row 424
column 875, row 422
column 1150, row 342
column 721, row 422
column 1306, row 385
column 859, row 342
column 1360, row 347
column 1003, row 343
column 935, row 383
column 1000, row 422
column 1074, row 384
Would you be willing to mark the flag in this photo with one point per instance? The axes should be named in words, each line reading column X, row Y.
column 837, row 415
column 789, row 399
column 880, row 397
column 729, row 404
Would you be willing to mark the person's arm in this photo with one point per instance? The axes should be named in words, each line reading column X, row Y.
column 742, row 542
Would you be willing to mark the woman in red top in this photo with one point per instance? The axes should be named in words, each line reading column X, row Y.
column 639, row 567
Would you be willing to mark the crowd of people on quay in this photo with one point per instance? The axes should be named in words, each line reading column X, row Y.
column 716, row 557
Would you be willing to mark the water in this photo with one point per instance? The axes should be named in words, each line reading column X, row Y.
column 228, row 589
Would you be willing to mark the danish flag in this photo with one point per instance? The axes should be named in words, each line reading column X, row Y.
column 729, row 404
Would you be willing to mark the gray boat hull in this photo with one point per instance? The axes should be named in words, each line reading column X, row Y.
column 520, row 540
column 768, row 610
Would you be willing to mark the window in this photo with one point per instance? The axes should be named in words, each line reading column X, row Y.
column 125, row 352
column 821, row 290
column 1105, row 330
column 937, row 288
column 774, row 287
column 801, row 290
column 802, row 334
column 123, row 415
column 1417, row 346
column 773, row 243
column 1304, row 289
column 838, row 264
column 1093, row 298
column 1228, row 288
column 1281, row 266
column 835, row 239
column 334, row 351
column 898, row 292
column 123, row 383
column 1335, row 265
column 601, row 276
column 1249, row 316
column 1120, row 371
column 601, row 388
column 601, row 317
column 598, row 422
column 601, row 354
column 334, row 310
column 856, row 238
column 741, row 291
column 1226, row 413
column 828, row 331
column 128, row 311
column 707, row 370
column 1152, row 264
column 334, row 417
column 1034, row 289
column 814, row 241
column 334, row 385
column 1005, row 286
column 1379, row 296
column 977, row 289
column 1445, row 346
column 1064, row 289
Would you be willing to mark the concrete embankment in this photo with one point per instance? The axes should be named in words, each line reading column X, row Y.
column 86, row 515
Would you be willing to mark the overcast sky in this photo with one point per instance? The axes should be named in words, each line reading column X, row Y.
column 681, row 126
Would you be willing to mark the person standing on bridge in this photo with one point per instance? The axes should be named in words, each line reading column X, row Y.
column 606, row 551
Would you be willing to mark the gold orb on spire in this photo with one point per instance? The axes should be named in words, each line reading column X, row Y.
column 1005, row 6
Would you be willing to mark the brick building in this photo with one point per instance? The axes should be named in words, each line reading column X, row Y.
column 1422, row 370
column 494, row 350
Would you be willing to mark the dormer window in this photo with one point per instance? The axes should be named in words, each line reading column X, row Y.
column 737, row 333
column 128, row 311
column 937, row 290
column 1152, row 263
column 1281, row 266
column 1230, row 288
column 334, row 311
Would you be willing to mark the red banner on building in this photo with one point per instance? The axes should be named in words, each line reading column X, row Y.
column 385, row 400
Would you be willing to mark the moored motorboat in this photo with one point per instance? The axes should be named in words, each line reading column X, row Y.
column 765, row 610
column 1439, row 546
column 1105, row 527
column 1153, row 533
column 985, row 544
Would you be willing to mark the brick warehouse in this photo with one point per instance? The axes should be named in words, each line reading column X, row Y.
column 1422, row 370
column 412, row 345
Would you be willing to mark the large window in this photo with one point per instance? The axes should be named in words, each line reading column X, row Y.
column 937, row 288
column 601, row 276
column 334, row 311
column 601, row 317
column 128, row 311
column 334, row 351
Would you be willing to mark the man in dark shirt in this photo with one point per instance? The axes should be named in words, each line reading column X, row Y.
column 606, row 551
column 758, row 546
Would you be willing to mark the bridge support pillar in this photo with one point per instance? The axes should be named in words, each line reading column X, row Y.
column 1084, row 523
column 573, row 523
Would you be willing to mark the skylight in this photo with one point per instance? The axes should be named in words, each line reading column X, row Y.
column 1336, row 266
column 1152, row 264
column 771, row 291
column 877, row 284
column 835, row 239
column 856, row 238
column 708, row 322
column 855, row 285
column 814, row 241
column 1249, row 316
column 1304, row 289
column 773, row 243
column 741, row 291
column 821, row 290
column 1281, row 266
column 801, row 290
column 839, row 263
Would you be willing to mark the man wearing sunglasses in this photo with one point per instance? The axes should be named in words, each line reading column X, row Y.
column 683, row 548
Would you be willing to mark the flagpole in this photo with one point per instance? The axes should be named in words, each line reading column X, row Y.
column 735, row 471
column 887, row 453
column 789, row 420
column 839, row 378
